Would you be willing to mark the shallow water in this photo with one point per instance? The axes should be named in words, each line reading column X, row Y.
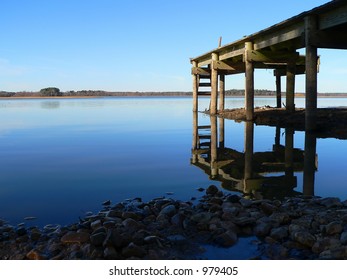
column 61, row 158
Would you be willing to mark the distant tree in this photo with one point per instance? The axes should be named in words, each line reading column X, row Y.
column 51, row 91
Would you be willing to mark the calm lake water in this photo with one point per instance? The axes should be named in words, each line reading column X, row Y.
column 62, row 158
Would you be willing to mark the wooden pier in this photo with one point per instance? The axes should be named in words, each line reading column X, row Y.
column 274, row 48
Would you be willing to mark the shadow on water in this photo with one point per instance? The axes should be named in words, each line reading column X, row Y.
column 259, row 175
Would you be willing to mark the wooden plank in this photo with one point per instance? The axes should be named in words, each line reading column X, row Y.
column 271, row 56
column 204, row 84
column 220, row 65
column 230, row 53
column 300, row 69
column 272, row 38
column 329, row 39
column 201, row 71
column 333, row 18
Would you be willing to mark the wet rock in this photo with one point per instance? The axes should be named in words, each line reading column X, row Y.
column 244, row 221
column 133, row 250
column 212, row 190
column 106, row 203
column 233, row 198
column 267, row 208
column 245, row 202
column 226, row 239
column 21, row 231
column 279, row 233
column 177, row 220
column 177, row 239
column 131, row 225
column 343, row 238
column 262, row 229
column 98, row 239
column 110, row 253
column 200, row 189
column 113, row 238
column 168, row 210
column 304, row 238
column 36, row 255
column 203, row 217
column 96, row 224
column 334, row 228
column 132, row 215
column 75, row 237
column 330, row 202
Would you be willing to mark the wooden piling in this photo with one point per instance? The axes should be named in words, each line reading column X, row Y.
column 290, row 87
column 278, row 91
column 311, row 74
column 249, row 88
column 195, row 88
column 221, row 92
column 214, row 87
column 214, row 146
column 309, row 163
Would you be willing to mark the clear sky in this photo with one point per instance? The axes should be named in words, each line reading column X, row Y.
column 136, row 45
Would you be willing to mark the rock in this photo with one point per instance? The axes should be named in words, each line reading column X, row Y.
column 30, row 218
column 96, row 224
column 226, row 239
column 279, row 233
column 267, row 208
column 132, row 215
column 334, row 228
column 98, row 239
column 36, row 255
column 262, row 229
column 233, row 198
column 212, row 190
column 177, row 220
column 131, row 225
column 343, row 238
column 304, row 238
column 21, row 231
column 202, row 217
column 177, row 239
column 132, row 250
column 106, row 203
column 200, row 189
column 245, row 202
column 110, row 253
column 75, row 237
column 113, row 238
column 168, row 210
column 244, row 221
column 330, row 202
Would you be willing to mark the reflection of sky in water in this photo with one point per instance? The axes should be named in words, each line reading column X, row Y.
column 63, row 157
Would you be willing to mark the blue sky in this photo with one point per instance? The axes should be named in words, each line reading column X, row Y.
column 136, row 45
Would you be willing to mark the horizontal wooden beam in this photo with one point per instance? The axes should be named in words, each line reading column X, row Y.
column 329, row 40
column 299, row 70
column 231, row 53
column 333, row 18
column 201, row 71
column 271, row 56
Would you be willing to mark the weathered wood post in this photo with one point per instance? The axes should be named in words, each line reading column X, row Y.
column 311, row 74
column 221, row 91
column 195, row 88
column 221, row 132
column 249, row 89
column 288, row 153
column 290, row 87
column 249, row 139
column 214, row 148
column 309, row 163
column 278, row 90
column 214, row 87
column 195, row 130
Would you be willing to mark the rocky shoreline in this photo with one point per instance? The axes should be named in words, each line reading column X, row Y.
column 164, row 228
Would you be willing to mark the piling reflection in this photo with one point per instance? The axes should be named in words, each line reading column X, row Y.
column 268, row 174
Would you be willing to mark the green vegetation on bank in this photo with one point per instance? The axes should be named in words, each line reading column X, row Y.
column 55, row 92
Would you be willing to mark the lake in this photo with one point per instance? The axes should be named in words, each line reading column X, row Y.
column 61, row 158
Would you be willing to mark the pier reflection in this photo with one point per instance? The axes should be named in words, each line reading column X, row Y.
column 267, row 174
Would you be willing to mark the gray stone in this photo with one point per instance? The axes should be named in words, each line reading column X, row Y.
column 334, row 228
column 226, row 239
column 113, row 238
column 98, row 238
column 212, row 190
column 177, row 239
column 131, row 225
column 202, row 217
column 343, row 238
column 279, row 233
column 96, row 224
column 110, row 253
column 262, row 229
column 75, row 237
column 169, row 210
column 132, row 250
column 330, row 202
column 267, row 208
column 304, row 238
column 245, row 202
